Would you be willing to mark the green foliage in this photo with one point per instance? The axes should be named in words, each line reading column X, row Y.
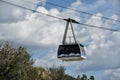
column 42, row 73
column 56, row 73
column 16, row 63
column 84, row 77
column 91, row 78
column 78, row 77
column 68, row 77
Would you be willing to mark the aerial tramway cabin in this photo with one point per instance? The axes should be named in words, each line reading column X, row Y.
column 71, row 51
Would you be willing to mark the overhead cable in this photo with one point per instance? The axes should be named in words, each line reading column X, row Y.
column 74, row 21
column 57, row 17
column 79, row 11
column 77, row 16
column 30, row 9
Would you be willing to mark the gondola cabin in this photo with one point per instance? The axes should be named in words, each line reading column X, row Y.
column 70, row 51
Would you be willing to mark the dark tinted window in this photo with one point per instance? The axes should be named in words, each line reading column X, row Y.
column 67, row 49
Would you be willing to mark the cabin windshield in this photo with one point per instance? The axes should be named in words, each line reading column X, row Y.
column 69, row 49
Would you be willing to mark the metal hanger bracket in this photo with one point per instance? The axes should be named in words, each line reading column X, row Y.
column 69, row 21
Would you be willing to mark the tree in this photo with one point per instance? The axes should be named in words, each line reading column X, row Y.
column 68, row 77
column 84, row 77
column 91, row 78
column 42, row 73
column 16, row 64
column 78, row 77
column 56, row 73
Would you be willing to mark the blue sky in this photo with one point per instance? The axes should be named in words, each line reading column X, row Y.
column 41, row 34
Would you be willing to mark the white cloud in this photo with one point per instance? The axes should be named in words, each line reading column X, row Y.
column 111, row 74
column 17, row 13
column 103, row 48
column 94, row 20
column 35, row 29
column 10, row 13
column 42, row 9
column 76, row 4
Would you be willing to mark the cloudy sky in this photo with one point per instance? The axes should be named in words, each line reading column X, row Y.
column 42, row 34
